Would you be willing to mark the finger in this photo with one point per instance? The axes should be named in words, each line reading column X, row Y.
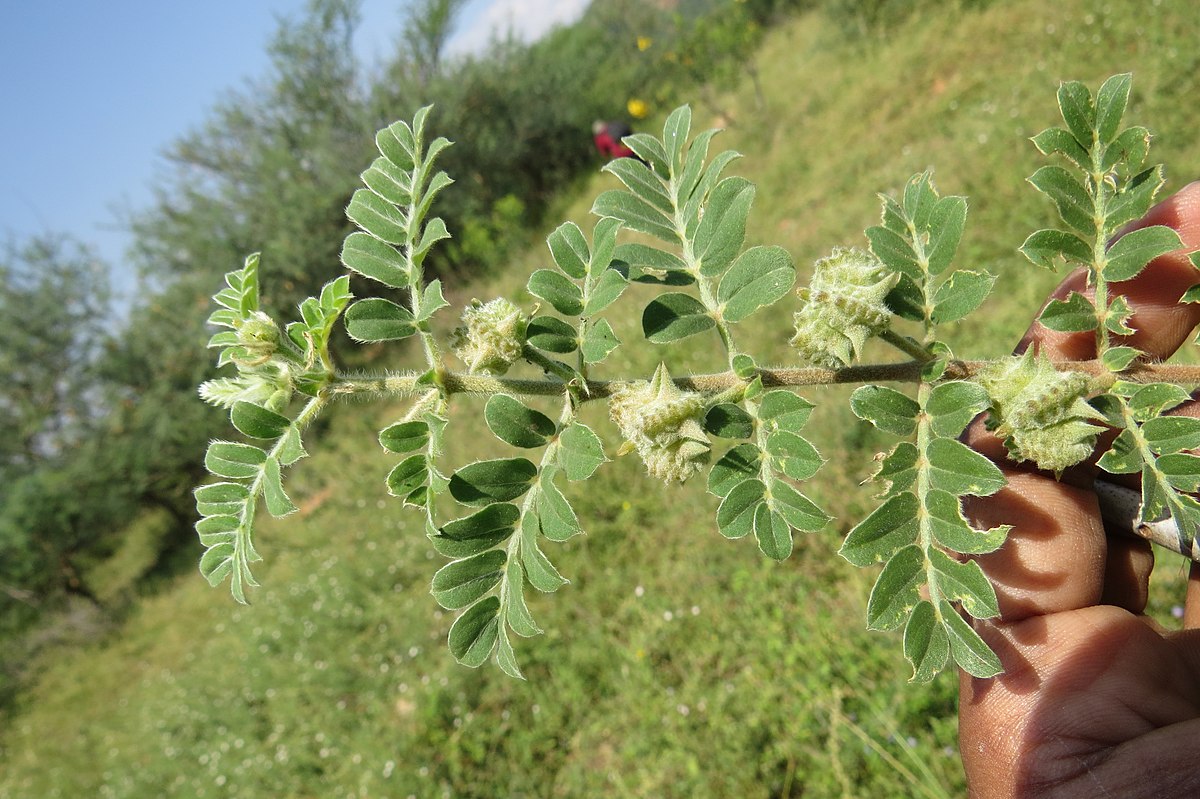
column 1056, row 557
column 1191, row 605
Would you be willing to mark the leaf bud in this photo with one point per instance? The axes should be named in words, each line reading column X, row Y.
column 491, row 336
column 664, row 425
column 844, row 307
column 1041, row 412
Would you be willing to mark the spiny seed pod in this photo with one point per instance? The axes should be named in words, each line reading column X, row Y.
column 491, row 337
column 663, row 424
column 844, row 307
column 1041, row 411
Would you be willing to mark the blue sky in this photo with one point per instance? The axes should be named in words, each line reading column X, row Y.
column 94, row 91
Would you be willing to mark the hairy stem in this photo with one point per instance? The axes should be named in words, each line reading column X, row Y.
column 406, row 383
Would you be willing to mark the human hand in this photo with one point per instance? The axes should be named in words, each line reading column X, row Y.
column 1095, row 699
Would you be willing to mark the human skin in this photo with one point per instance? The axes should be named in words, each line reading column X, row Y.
column 1095, row 699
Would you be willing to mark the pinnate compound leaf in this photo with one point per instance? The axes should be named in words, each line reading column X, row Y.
column 635, row 214
column 234, row 461
column 1130, row 253
column 890, row 527
column 378, row 217
column 1167, row 434
column 1130, row 148
column 608, row 287
column 946, row 225
column 650, row 150
column 952, row 530
column 1152, row 399
column 772, row 531
column 895, row 252
column 256, row 421
column 797, row 457
column 735, row 466
column 634, row 254
column 570, row 249
column 473, row 635
column 1118, row 358
column 673, row 316
column 376, row 319
column 783, row 410
column 1110, row 105
column 642, row 182
column 408, row 475
column 970, row 652
column 895, row 592
column 926, row 645
column 675, row 133
column 1075, row 104
column 551, row 334
column 886, row 408
column 899, row 468
column 405, row 437
column 1076, row 315
column 735, row 515
column 538, row 569
column 761, row 276
column 514, row 423
column 599, row 341
column 370, row 257
column 958, row 469
column 722, row 231
column 1069, row 196
column 953, row 405
column 461, row 582
column 1058, row 140
column 506, row 659
column 1181, row 470
column 964, row 582
column 727, row 420
column 1135, row 198
column 580, row 451
column 478, row 532
column 556, row 289
column 797, row 510
column 960, row 295
column 432, row 301
column 277, row 501
column 1124, row 456
column 517, row 611
column 1044, row 247
column 485, row 482
column 557, row 517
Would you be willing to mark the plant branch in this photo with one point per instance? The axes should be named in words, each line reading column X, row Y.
column 406, row 383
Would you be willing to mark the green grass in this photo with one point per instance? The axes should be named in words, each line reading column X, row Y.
column 676, row 663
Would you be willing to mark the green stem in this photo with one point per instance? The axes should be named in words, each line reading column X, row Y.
column 906, row 345
column 1099, row 243
column 406, row 383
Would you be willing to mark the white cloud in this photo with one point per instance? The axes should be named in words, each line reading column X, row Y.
column 528, row 20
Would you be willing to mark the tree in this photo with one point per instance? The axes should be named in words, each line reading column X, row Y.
column 54, row 307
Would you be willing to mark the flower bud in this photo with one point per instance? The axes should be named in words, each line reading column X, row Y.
column 845, row 306
column 1041, row 411
column 259, row 336
column 663, row 424
column 491, row 337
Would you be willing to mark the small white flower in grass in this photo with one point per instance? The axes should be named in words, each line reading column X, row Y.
column 844, row 306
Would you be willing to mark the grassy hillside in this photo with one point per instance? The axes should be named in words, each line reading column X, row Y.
column 676, row 664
